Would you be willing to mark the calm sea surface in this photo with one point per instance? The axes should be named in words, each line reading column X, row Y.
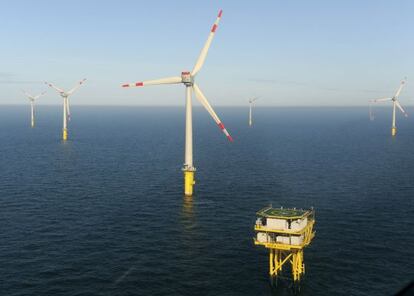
column 104, row 213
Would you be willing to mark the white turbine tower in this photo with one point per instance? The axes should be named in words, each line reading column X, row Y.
column 187, row 78
column 250, row 109
column 395, row 104
column 66, row 109
column 32, row 100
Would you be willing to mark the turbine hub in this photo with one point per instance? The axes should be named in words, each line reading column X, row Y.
column 186, row 78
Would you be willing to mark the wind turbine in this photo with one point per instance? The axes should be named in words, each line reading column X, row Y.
column 66, row 109
column 371, row 112
column 250, row 109
column 187, row 78
column 32, row 99
column 395, row 104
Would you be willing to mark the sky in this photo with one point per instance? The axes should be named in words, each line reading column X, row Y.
column 291, row 53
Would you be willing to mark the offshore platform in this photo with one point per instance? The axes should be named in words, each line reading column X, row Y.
column 285, row 232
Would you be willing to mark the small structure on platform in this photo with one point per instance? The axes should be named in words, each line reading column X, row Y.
column 285, row 232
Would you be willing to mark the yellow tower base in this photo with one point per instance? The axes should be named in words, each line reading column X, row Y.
column 393, row 131
column 65, row 134
column 188, row 182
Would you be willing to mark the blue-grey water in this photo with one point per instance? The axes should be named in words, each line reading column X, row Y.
column 104, row 213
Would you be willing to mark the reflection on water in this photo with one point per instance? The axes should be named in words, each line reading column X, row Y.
column 188, row 220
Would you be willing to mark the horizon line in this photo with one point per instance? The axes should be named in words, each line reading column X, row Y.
column 217, row 106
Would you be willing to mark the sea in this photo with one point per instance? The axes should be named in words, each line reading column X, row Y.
column 104, row 213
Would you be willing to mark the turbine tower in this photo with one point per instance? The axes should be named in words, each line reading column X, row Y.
column 250, row 109
column 187, row 78
column 66, row 110
column 395, row 104
column 32, row 100
column 370, row 112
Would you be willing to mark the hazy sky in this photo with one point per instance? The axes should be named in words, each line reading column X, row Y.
column 288, row 52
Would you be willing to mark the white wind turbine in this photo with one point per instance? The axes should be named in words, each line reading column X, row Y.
column 395, row 104
column 371, row 112
column 187, row 78
column 250, row 109
column 66, row 109
column 32, row 100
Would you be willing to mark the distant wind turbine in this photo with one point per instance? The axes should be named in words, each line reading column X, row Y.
column 250, row 109
column 395, row 104
column 187, row 78
column 32, row 100
column 66, row 109
column 370, row 112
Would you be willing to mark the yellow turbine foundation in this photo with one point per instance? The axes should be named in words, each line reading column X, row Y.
column 65, row 134
column 188, row 182
column 285, row 232
column 393, row 131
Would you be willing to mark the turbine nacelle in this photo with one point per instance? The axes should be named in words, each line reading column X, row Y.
column 186, row 78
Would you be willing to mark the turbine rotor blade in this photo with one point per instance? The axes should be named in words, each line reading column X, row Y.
column 39, row 95
column 402, row 84
column 254, row 99
column 203, row 54
column 168, row 80
column 202, row 99
column 61, row 91
column 381, row 100
column 28, row 95
column 76, row 87
column 401, row 108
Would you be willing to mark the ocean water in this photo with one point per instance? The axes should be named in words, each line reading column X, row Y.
column 104, row 213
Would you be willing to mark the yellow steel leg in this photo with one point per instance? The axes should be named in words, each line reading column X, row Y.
column 276, row 262
column 297, row 265
column 271, row 262
column 188, row 182
column 294, row 266
column 300, row 264
column 65, row 134
column 303, row 262
column 393, row 131
column 280, row 259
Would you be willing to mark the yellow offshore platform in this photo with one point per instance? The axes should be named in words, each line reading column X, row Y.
column 285, row 232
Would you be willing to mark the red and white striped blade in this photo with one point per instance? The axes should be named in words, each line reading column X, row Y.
column 204, row 51
column 168, row 80
column 76, row 87
column 200, row 96
column 400, row 88
column 401, row 108
column 382, row 100
column 55, row 87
